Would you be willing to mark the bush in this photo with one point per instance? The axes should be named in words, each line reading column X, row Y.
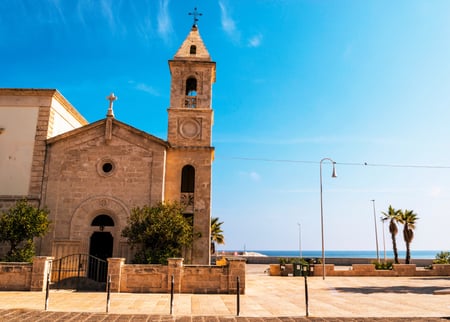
column 19, row 226
column 383, row 265
column 158, row 232
column 442, row 258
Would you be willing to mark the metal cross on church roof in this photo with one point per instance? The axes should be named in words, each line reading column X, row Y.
column 195, row 14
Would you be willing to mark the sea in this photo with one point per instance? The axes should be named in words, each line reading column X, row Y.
column 418, row 254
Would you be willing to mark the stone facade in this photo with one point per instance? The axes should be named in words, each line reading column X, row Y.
column 135, row 179
column 90, row 176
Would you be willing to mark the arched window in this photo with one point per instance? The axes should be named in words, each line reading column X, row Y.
column 191, row 93
column 193, row 50
column 188, row 179
column 102, row 221
column 191, row 87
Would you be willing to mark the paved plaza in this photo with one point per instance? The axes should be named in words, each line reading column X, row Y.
column 268, row 298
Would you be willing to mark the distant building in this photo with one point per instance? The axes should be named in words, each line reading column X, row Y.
column 90, row 175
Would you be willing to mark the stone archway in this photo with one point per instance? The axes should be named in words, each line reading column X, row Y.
column 96, row 215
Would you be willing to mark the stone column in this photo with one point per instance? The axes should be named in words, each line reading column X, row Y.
column 175, row 269
column 41, row 267
column 115, row 272
column 236, row 268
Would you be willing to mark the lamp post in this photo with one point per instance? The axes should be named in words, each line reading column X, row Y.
column 300, row 239
column 384, row 242
column 333, row 175
column 376, row 231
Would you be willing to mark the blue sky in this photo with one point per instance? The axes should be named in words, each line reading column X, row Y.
column 297, row 81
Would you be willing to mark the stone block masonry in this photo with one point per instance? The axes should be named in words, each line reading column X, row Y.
column 197, row 279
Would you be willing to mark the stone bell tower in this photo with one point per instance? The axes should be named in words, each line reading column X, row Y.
column 190, row 156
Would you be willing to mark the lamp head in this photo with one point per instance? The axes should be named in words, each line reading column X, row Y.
column 334, row 175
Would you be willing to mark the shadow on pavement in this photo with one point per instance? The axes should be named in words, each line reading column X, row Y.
column 391, row 289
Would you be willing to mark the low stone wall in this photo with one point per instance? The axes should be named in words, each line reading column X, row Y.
column 200, row 279
column 15, row 276
column 25, row 276
column 369, row 270
column 341, row 261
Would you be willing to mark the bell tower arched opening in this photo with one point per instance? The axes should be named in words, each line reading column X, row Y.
column 191, row 92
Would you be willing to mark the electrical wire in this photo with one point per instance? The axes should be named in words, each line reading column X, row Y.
column 364, row 164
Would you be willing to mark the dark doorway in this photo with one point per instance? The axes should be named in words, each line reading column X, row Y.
column 101, row 245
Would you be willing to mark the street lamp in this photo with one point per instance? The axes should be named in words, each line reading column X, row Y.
column 300, row 239
column 376, row 231
column 384, row 242
column 333, row 175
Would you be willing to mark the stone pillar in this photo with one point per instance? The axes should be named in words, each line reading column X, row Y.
column 404, row 269
column 318, row 270
column 115, row 272
column 236, row 267
column 175, row 269
column 41, row 267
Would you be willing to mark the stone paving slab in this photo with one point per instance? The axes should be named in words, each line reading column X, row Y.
column 41, row 316
column 267, row 298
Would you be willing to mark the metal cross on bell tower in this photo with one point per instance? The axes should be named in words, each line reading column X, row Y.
column 196, row 14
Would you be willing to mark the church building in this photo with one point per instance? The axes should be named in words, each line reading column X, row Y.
column 90, row 175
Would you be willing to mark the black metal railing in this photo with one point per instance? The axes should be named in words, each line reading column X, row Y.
column 79, row 266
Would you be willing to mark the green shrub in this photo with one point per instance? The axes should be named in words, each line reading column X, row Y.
column 383, row 265
column 442, row 258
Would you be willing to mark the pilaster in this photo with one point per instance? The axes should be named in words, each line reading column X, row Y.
column 175, row 269
column 41, row 268
column 115, row 273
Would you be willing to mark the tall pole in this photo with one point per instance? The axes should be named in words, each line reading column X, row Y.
column 384, row 244
column 376, row 231
column 300, row 239
column 321, row 210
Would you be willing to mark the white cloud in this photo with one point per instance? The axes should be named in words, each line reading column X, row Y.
column 254, row 176
column 164, row 22
column 144, row 88
column 106, row 9
column 228, row 24
column 255, row 41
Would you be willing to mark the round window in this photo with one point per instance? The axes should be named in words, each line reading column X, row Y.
column 105, row 167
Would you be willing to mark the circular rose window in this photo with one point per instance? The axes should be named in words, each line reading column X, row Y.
column 189, row 128
column 106, row 167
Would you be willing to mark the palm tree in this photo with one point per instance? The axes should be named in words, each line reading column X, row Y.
column 216, row 234
column 408, row 219
column 393, row 216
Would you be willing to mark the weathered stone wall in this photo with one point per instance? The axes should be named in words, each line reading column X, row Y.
column 369, row 270
column 15, row 276
column 200, row 279
column 201, row 160
column 144, row 279
column 25, row 276
column 78, row 190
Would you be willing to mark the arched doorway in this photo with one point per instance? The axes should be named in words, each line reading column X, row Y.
column 101, row 245
column 101, row 242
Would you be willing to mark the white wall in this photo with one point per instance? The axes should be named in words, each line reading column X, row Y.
column 16, row 148
column 63, row 120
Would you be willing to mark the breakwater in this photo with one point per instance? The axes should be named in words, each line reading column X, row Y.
column 338, row 261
